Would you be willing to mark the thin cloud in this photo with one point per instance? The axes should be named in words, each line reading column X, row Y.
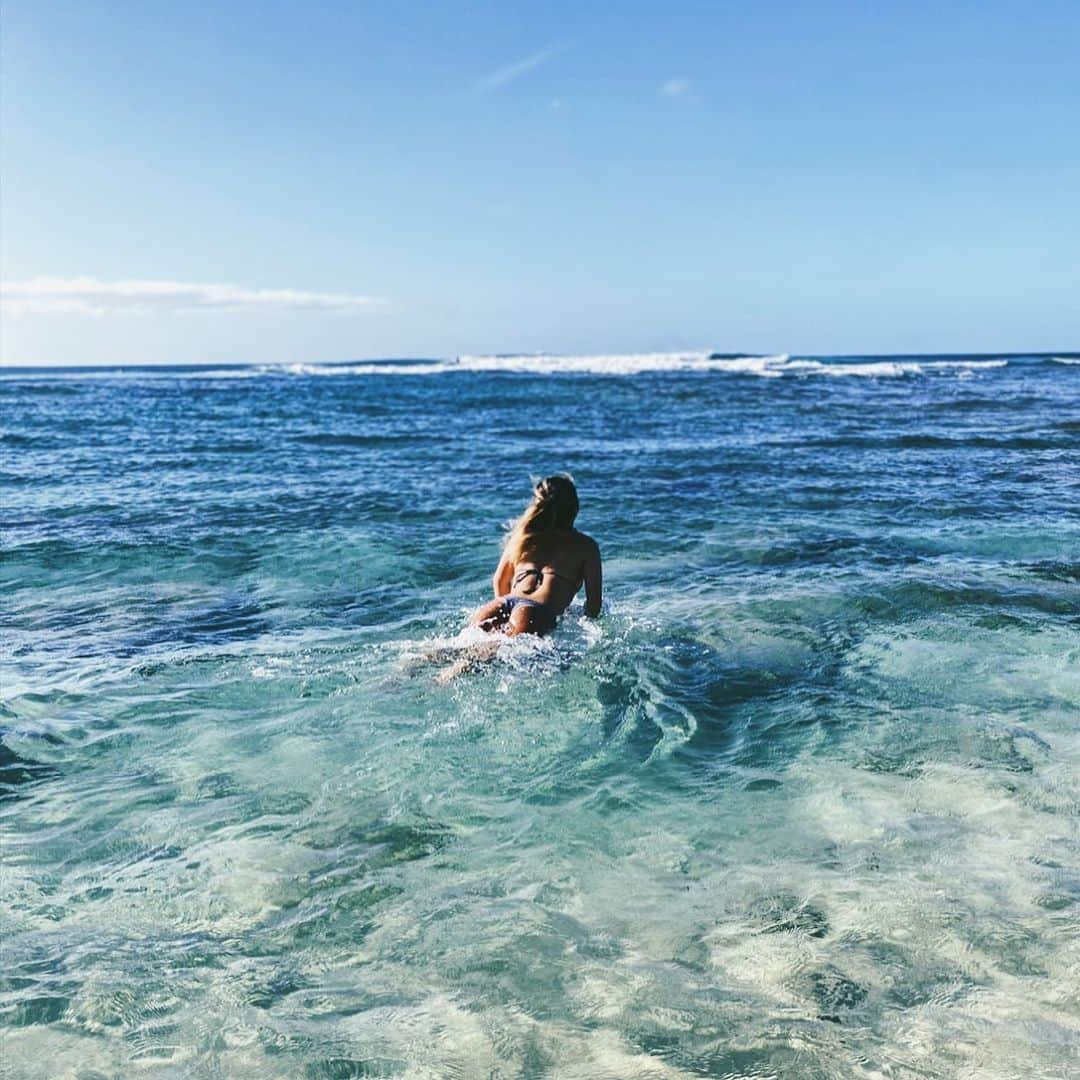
column 495, row 80
column 89, row 296
column 675, row 88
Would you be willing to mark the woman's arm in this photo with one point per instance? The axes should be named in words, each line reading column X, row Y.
column 594, row 583
column 504, row 574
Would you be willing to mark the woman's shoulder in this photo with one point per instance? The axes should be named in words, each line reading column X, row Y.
column 586, row 541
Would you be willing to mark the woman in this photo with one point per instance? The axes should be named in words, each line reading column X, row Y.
column 544, row 563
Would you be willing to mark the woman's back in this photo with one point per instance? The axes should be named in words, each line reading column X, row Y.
column 553, row 568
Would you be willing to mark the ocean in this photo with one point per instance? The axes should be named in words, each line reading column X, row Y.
column 804, row 803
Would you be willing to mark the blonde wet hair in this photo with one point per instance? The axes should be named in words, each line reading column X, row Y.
column 553, row 508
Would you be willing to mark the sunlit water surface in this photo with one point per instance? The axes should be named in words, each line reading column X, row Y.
column 804, row 803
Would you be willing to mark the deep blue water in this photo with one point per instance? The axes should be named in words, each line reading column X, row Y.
column 804, row 803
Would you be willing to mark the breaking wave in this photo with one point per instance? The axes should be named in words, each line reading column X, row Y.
column 767, row 367
column 776, row 366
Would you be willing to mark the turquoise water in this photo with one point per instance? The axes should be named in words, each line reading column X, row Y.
column 804, row 803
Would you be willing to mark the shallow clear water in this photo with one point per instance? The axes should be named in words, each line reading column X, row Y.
column 805, row 803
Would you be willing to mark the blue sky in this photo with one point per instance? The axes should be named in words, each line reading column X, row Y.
column 287, row 182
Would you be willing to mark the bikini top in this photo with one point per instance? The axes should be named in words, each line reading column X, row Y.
column 537, row 573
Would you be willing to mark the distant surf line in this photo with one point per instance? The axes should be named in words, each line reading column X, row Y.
column 775, row 366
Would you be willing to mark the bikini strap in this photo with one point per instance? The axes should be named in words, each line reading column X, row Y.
column 530, row 571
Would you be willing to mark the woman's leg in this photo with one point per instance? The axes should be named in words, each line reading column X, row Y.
column 474, row 656
column 491, row 616
column 525, row 619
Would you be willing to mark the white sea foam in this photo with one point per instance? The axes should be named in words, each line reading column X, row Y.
column 383, row 367
column 146, row 371
column 1070, row 360
column 612, row 364
column 622, row 363
column 766, row 367
column 763, row 366
column 893, row 368
column 544, row 364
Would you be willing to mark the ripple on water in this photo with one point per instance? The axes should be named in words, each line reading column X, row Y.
column 805, row 803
